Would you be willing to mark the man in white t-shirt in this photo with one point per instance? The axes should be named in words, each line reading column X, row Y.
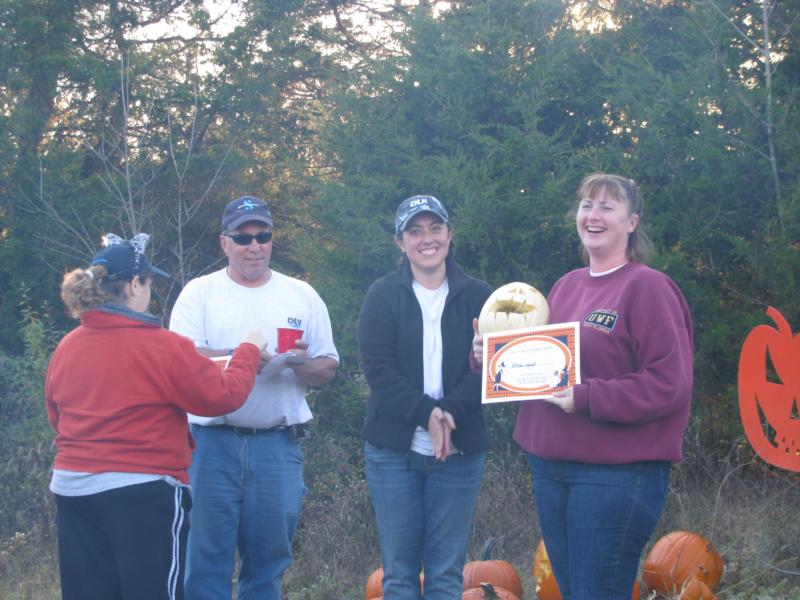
column 246, row 473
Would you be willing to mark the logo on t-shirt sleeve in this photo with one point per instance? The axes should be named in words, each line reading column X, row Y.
column 602, row 319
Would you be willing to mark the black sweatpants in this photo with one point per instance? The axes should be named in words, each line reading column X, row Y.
column 124, row 544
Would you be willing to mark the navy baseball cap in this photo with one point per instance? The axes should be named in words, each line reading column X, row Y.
column 243, row 210
column 411, row 207
column 122, row 261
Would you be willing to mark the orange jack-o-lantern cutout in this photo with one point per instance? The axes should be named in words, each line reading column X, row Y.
column 768, row 398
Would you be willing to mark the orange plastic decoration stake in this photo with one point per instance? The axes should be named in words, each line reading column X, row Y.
column 768, row 397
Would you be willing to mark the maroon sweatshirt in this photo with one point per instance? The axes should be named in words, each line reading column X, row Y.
column 635, row 393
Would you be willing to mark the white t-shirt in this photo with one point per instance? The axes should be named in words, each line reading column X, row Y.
column 216, row 312
column 432, row 304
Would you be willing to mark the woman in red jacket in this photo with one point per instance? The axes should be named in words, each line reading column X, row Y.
column 117, row 392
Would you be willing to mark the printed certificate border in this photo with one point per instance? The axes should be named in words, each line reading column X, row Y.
column 565, row 335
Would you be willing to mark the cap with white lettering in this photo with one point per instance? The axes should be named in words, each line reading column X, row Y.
column 411, row 207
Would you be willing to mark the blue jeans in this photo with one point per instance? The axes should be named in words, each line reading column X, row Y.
column 596, row 520
column 247, row 492
column 423, row 508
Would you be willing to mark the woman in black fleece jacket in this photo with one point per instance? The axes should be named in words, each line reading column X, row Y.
column 424, row 429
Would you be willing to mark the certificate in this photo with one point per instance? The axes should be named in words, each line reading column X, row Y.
column 528, row 364
column 278, row 363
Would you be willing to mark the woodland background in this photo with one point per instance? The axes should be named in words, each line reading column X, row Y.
column 149, row 115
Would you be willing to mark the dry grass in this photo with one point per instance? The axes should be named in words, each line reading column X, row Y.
column 336, row 544
column 750, row 512
column 29, row 567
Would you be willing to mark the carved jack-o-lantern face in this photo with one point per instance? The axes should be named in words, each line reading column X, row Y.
column 768, row 401
column 513, row 306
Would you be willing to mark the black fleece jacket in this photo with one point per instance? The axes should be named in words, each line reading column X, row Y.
column 390, row 344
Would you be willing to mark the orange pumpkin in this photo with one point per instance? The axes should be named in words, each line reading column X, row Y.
column 776, row 437
column 678, row 556
column 546, row 584
column 496, row 572
column 487, row 591
column 374, row 588
column 696, row 590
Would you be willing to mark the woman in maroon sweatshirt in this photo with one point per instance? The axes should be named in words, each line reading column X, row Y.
column 117, row 392
column 600, row 451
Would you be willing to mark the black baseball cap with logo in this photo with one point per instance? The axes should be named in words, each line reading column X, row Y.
column 243, row 210
column 411, row 207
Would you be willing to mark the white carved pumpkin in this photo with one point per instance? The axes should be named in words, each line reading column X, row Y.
column 513, row 306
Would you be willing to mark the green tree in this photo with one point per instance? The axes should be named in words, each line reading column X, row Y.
column 500, row 108
column 140, row 137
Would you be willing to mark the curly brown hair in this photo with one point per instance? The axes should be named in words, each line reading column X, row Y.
column 84, row 289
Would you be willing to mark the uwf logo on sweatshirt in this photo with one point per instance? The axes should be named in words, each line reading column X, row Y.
column 602, row 319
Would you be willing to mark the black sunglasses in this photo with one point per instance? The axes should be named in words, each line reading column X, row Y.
column 245, row 239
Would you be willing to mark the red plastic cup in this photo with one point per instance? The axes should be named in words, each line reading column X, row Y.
column 287, row 338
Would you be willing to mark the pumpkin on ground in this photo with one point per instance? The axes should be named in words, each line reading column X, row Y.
column 496, row 572
column 374, row 588
column 678, row 556
column 487, row 591
column 546, row 584
column 776, row 398
column 513, row 306
column 696, row 590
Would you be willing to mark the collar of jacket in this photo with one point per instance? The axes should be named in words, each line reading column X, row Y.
column 120, row 310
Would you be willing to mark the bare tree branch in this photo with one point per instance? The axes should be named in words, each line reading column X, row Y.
column 765, row 117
